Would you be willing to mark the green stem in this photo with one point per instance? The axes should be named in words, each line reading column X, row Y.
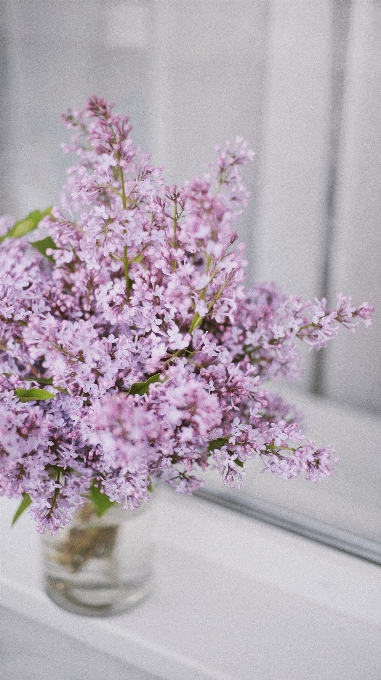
column 68, row 354
column 56, row 493
column 178, row 353
column 33, row 370
column 126, row 272
column 124, row 199
column 111, row 188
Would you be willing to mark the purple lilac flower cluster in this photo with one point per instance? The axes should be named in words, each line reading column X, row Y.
column 130, row 349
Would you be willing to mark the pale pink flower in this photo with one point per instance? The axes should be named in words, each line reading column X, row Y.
column 136, row 327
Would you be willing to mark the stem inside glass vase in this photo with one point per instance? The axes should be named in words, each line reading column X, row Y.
column 100, row 566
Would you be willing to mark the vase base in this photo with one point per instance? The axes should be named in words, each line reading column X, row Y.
column 95, row 599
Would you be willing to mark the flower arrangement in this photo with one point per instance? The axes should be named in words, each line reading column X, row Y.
column 130, row 349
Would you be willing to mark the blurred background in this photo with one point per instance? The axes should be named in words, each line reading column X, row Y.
column 301, row 81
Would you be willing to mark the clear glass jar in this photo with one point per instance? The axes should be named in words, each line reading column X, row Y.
column 100, row 566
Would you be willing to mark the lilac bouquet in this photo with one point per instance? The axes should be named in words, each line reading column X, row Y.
column 130, row 349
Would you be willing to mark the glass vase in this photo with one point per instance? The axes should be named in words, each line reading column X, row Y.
column 100, row 566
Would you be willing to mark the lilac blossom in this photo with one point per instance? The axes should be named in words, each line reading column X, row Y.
column 130, row 348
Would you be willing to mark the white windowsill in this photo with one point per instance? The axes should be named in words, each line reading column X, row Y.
column 234, row 599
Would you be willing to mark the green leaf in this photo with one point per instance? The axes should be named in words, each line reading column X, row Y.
column 218, row 443
column 47, row 381
column 42, row 246
column 137, row 258
column 143, row 387
column 26, row 501
column 196, row 322
column 26, row 225
column 100, row 500
column 42, row 381
column 35, row 394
